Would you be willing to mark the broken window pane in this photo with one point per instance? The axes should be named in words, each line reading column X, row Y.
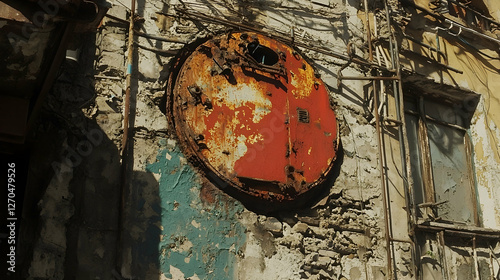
column 416, row 162
column 448, row 114
column 440, row 162
column 450, row 168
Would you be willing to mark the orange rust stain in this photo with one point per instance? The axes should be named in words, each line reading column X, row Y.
column 244, row 121
column 207, row 194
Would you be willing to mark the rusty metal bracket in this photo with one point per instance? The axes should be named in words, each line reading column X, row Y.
column 250, row 62
column 392, row 122
column 349, row 61
column 219, row 57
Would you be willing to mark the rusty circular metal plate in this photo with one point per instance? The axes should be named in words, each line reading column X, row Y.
column 251, row 110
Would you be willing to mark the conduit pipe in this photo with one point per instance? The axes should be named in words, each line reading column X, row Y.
column 369, row 78
column 379, row 51
column 158, row 38
column 128, row 78
column 403, row 142
column 472, row 31
column 124, row 147
column 440, row 17
column 385, row 194
column 382, row 179
column 157, row 51
column 475, row 12
column 368, row 33
column 474, row 254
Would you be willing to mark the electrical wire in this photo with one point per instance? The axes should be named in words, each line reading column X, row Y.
column 476, row 49
column 123, row 5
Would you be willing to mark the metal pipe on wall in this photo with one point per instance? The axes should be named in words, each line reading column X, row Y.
column 475, row 12
column 125, row 136
column 385, row 194
column 474, row 256
column 403, row 143
column 382, row 179
column 402, row 137
column 440, row 17
column 128, row 78
column 439, row 52
column 472, row 31
column 368, row 33
column 369, row 78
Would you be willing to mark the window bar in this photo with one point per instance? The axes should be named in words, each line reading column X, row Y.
column 492, row 266
column 474, row 255
column 442, row 255
column 475, row 12
column 427, row 175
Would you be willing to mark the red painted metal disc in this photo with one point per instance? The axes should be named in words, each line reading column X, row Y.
column 252, row 111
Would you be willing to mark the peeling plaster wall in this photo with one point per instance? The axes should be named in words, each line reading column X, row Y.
column 480, row 76
column 175, row 224
column 200, row 231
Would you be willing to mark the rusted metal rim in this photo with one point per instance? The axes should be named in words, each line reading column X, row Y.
column 251, row 113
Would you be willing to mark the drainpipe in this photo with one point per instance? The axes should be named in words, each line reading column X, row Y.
column 124, row 148
column 128, row 78
column 382, row 179
column 387, row 218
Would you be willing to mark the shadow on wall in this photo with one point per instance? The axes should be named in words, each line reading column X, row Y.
column 70, row 221
column 173, row 225
column 329, row 20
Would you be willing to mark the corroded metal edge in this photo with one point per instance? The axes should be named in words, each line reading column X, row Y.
column 252, row 198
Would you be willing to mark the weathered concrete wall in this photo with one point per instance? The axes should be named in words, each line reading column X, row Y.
column 339, row 238
column 175, row 224
column 480, row 76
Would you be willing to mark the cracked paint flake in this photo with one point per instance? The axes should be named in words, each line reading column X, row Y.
column 199, row 240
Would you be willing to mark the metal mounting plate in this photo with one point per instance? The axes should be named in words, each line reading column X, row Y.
column 251, row 110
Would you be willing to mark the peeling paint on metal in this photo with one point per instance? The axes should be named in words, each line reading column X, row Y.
column 199, row 239
column 252, row 110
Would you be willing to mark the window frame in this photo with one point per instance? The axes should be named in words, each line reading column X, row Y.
column 428, row 209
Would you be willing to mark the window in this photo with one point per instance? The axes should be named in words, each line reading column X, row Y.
column 441, row 159
column 473, row 13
